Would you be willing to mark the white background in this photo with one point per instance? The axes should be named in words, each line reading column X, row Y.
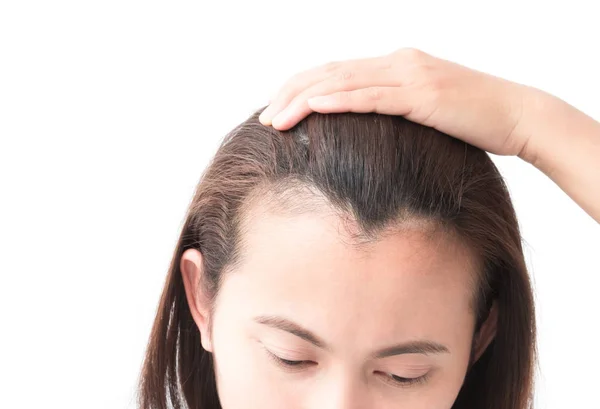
column 110, row 110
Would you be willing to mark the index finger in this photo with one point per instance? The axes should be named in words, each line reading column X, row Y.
column 303, row 80
column 293, row 86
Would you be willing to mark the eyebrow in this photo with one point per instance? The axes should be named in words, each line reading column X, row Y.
column 411, row 347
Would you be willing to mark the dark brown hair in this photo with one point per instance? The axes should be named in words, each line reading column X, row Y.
column 380, row 170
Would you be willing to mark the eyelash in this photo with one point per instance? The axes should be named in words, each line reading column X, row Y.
column 405, row 382
column 392, row 379
column 288, row 364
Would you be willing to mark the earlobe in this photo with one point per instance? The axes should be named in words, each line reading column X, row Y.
column 191, row 270
column 487, row 332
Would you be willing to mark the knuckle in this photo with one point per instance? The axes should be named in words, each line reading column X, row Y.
column 374, row 93
column 415, row 58
column 418, row 55
column 410, row 53
column 426, row 70
column 345, row 75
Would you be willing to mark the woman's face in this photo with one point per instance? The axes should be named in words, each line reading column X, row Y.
column 310, row 321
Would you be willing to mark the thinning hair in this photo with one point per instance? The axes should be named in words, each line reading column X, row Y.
column 377, row 171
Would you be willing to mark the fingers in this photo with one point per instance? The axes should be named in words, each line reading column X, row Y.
column 375, row 75
column 293, row 86
column 340, row 72
column 383, row 100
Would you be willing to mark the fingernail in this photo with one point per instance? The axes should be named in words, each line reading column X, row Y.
column 265, row 116
column 278, row 119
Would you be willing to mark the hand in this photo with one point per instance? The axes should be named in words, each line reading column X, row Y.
column 478, row 108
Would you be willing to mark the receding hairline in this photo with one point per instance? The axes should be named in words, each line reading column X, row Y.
column 294, row 197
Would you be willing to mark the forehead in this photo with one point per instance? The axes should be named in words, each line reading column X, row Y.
column 309, row 264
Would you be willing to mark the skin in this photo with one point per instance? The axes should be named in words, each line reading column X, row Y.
column 422, row 289
column 492, row 113
column 356, row 300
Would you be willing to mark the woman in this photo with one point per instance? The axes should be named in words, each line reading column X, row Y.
column 368, row 254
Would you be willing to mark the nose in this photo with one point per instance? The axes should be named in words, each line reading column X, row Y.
column 341, row 391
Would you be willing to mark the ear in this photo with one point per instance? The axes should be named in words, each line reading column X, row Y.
column 486, row 333
column 191, row 270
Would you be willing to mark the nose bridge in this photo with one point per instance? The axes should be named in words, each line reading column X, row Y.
column 342, row 388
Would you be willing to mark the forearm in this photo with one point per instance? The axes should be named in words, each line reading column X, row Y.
column 565, row 145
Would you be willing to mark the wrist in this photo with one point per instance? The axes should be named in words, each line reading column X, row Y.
column 564, row 143
column 546, row 125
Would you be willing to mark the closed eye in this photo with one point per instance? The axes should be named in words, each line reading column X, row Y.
column 298, row 365
column 287, row 363
column 401, row 381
